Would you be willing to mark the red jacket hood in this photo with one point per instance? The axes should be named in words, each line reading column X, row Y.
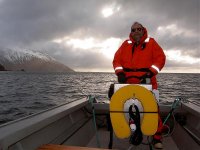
column 143, row 37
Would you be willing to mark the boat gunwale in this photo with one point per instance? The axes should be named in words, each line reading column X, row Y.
column 38, row 113
column 16, row 130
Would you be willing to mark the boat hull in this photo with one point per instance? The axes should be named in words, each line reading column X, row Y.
column 73, row 124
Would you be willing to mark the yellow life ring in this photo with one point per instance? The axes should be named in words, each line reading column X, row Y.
column 149, row 123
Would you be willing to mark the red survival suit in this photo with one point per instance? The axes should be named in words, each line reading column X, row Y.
column 134, row 61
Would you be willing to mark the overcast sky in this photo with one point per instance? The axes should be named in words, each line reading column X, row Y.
column 84, row 34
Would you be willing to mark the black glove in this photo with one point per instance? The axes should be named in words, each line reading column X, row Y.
column 111, row 91
column 149, row 74
column 121, row 77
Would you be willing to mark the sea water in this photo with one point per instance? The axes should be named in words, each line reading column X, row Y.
column 25, row 93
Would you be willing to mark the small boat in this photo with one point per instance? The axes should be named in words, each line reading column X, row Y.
column 85, row 124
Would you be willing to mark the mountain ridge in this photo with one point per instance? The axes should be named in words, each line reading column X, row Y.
column 27, row 60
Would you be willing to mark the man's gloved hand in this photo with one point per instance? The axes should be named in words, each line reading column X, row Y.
column 150, row 74
column 111, row 91
column 121, row 77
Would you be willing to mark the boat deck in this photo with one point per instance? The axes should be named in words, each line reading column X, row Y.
column 118, row 144
column 123, row 144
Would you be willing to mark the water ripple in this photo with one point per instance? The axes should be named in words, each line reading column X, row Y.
column 23, row 93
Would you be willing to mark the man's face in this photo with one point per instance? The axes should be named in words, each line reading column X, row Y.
column 137, row 32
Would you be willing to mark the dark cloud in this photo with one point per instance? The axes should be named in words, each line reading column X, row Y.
column 34, row 24
column 187, row 45
column 27, row 21
column 77, row 58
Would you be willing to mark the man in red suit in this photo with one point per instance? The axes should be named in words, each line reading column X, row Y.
column 138, row 58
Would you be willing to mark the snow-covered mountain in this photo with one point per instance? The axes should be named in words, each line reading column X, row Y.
column 29, row 60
